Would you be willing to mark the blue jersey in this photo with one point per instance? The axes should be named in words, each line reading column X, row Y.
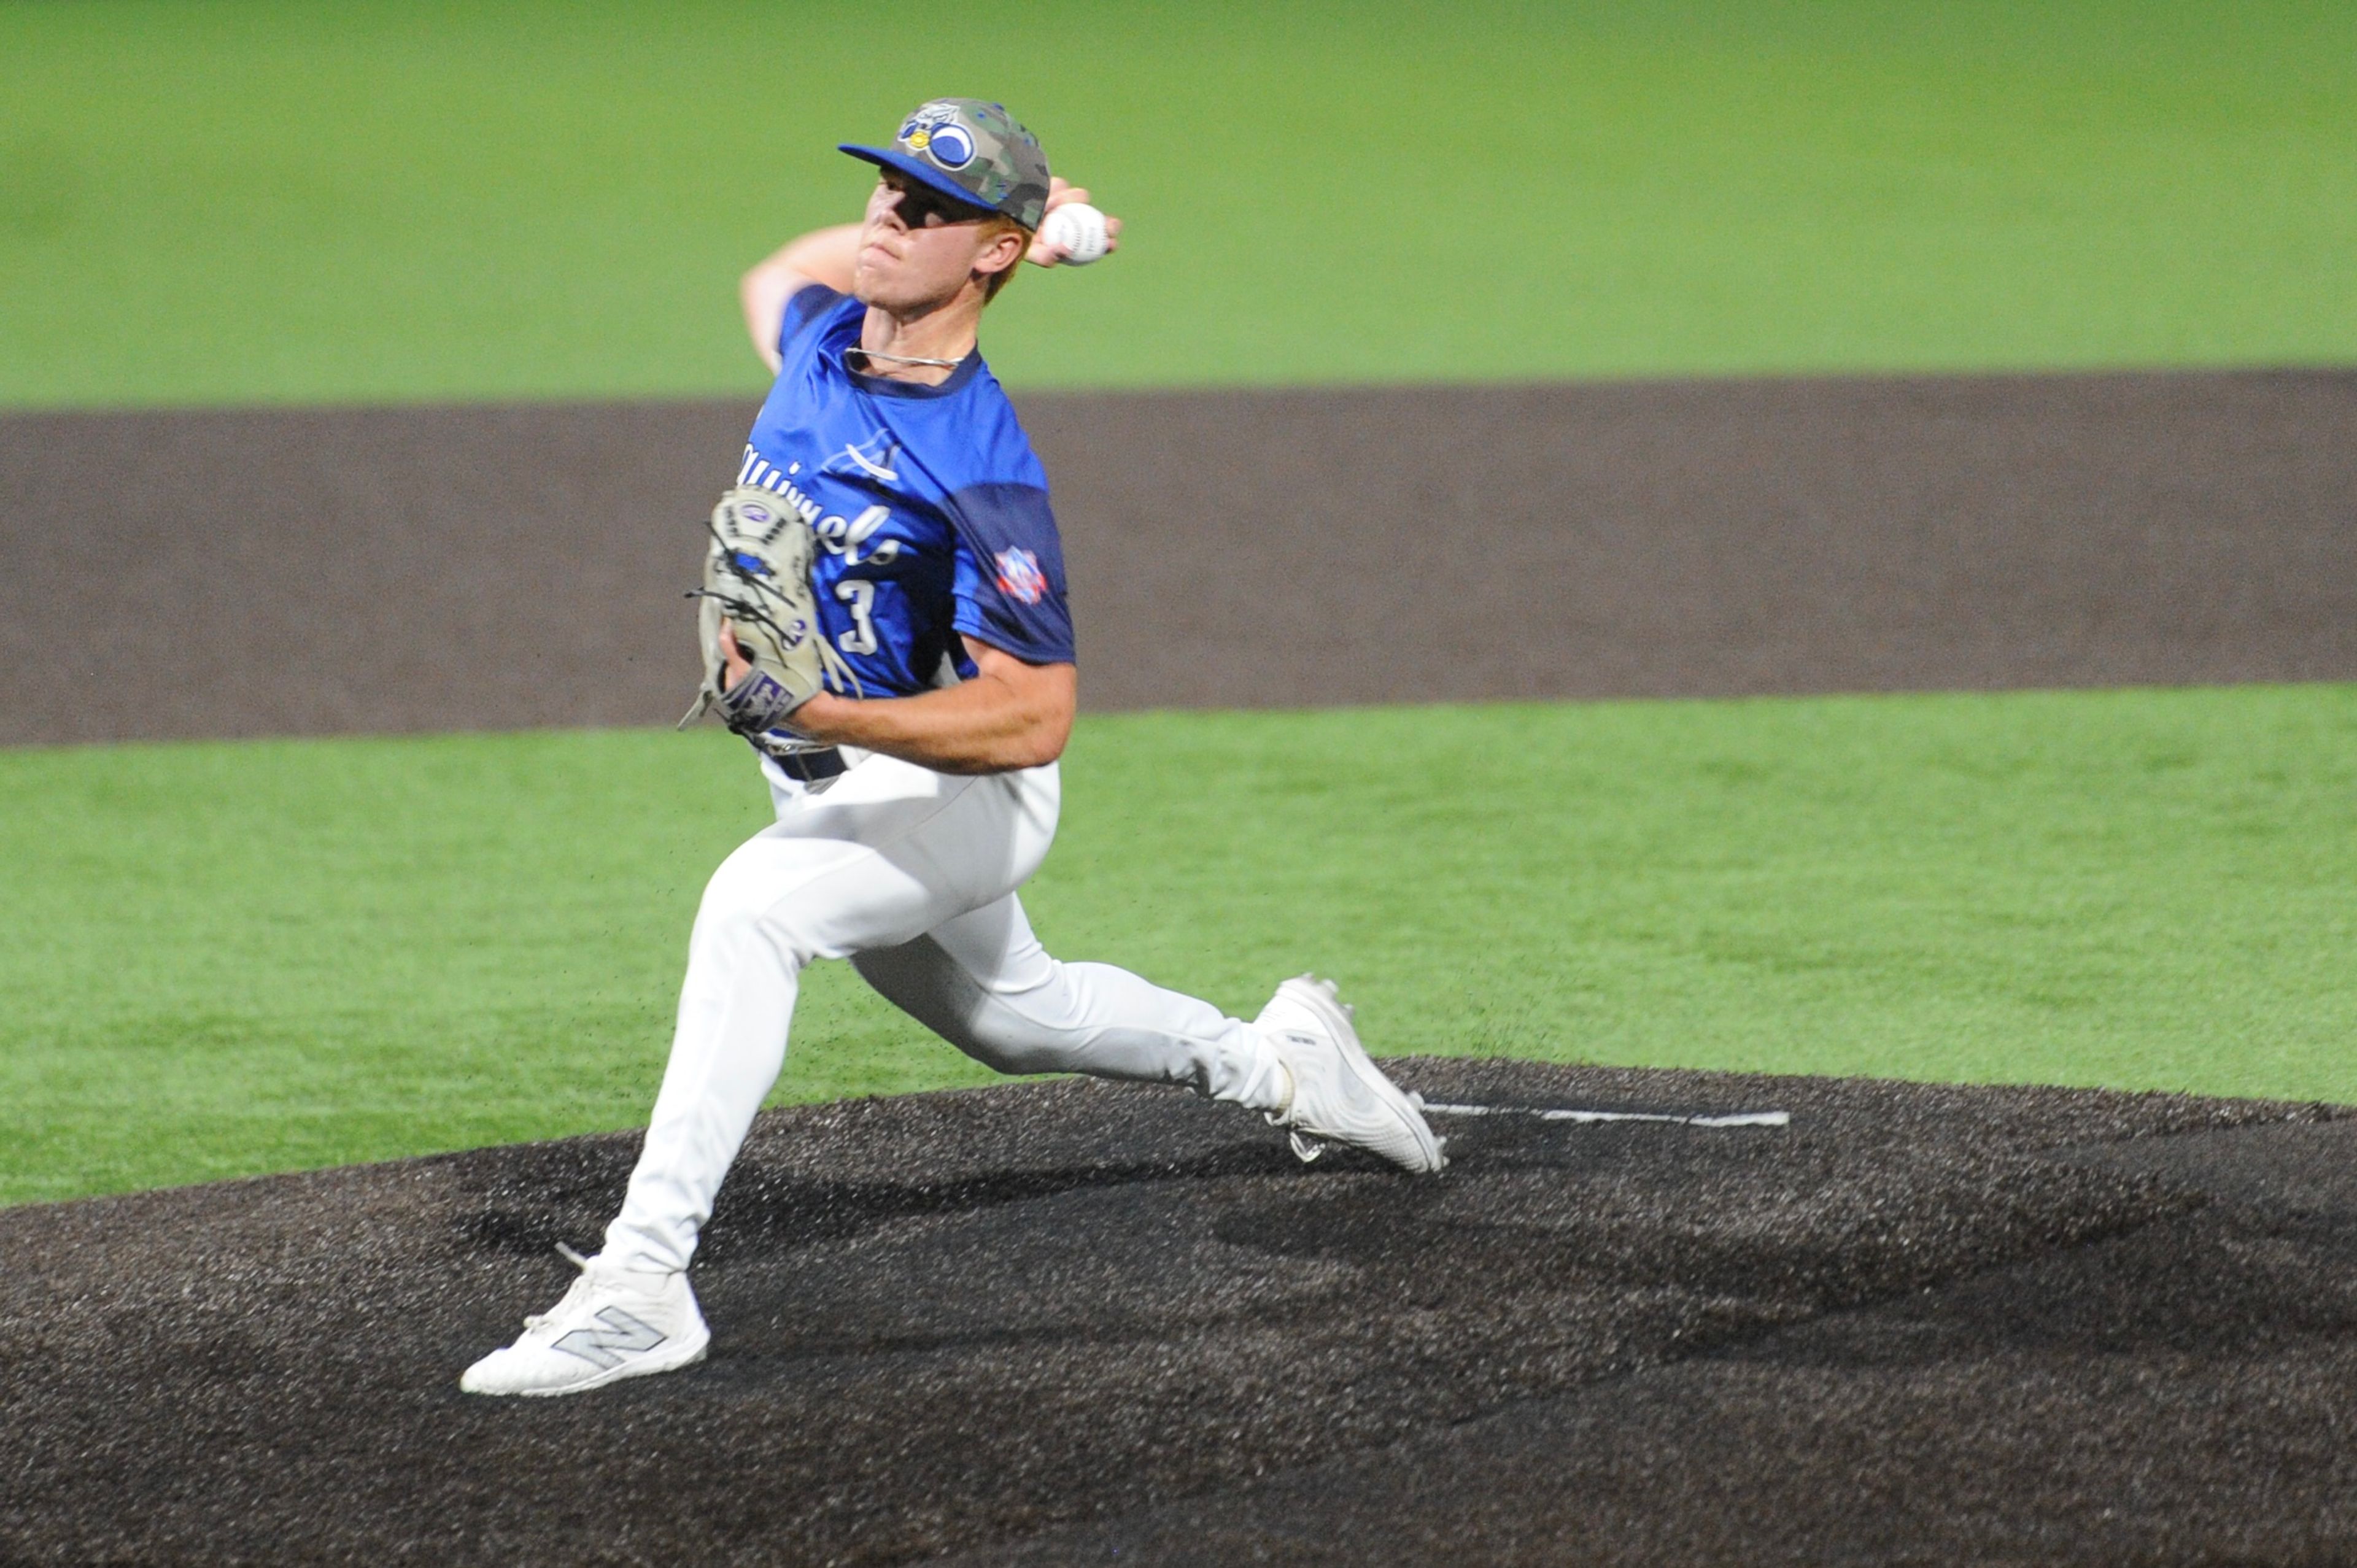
column 931, row 510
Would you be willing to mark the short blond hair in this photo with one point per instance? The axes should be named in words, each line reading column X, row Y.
column 999, row 223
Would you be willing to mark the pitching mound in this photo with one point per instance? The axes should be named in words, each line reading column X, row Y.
column 1071, row 1322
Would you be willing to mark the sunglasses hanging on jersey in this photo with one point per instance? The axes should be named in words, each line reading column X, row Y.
column 857, row 354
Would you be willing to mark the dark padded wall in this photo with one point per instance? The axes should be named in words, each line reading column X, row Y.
column 303, row 572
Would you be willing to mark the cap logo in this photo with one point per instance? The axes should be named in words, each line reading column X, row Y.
column 933, row 131
column 951, row 147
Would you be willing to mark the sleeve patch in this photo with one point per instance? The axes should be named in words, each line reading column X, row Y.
column 1010, row 582
column 1019, row 577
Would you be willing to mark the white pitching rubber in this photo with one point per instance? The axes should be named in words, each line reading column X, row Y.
column 1567, row 1113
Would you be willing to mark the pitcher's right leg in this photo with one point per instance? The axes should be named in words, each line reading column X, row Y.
column 983, row 982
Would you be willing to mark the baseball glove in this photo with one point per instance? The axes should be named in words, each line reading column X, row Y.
column 756, row 578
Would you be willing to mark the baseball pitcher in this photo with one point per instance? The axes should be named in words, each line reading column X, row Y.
column 884, row 619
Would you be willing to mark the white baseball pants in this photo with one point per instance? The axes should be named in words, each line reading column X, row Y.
column 911, row 875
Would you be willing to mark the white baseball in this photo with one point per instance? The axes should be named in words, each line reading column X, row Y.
column 1080, row 230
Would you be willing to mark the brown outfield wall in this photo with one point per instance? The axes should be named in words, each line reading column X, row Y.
column 271, row 572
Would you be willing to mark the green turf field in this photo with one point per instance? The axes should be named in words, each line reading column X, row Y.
column 235, row 958
column 220, row 201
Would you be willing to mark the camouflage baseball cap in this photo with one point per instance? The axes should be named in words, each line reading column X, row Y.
column 970, row 151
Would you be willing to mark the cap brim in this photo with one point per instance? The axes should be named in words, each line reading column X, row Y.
column 919, row 170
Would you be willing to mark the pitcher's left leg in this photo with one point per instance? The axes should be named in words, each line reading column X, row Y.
column 891, row 851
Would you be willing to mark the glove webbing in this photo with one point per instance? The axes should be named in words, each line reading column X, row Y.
column 839, row 672
column 831, row 663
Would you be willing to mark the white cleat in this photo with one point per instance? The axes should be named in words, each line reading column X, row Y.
column 615, row 1323
column 1339, row 1093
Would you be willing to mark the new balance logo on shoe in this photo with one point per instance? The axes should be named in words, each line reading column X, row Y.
column 623, row 1335
column 613, row 1323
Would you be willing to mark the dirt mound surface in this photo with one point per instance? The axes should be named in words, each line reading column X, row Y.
column 1071, row 1322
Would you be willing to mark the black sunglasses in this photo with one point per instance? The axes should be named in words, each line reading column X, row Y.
column 922, row 207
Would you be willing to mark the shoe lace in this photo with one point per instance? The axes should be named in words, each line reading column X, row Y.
column 580, row 1283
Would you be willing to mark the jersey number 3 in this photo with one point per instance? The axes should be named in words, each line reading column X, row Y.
column 860, row 594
